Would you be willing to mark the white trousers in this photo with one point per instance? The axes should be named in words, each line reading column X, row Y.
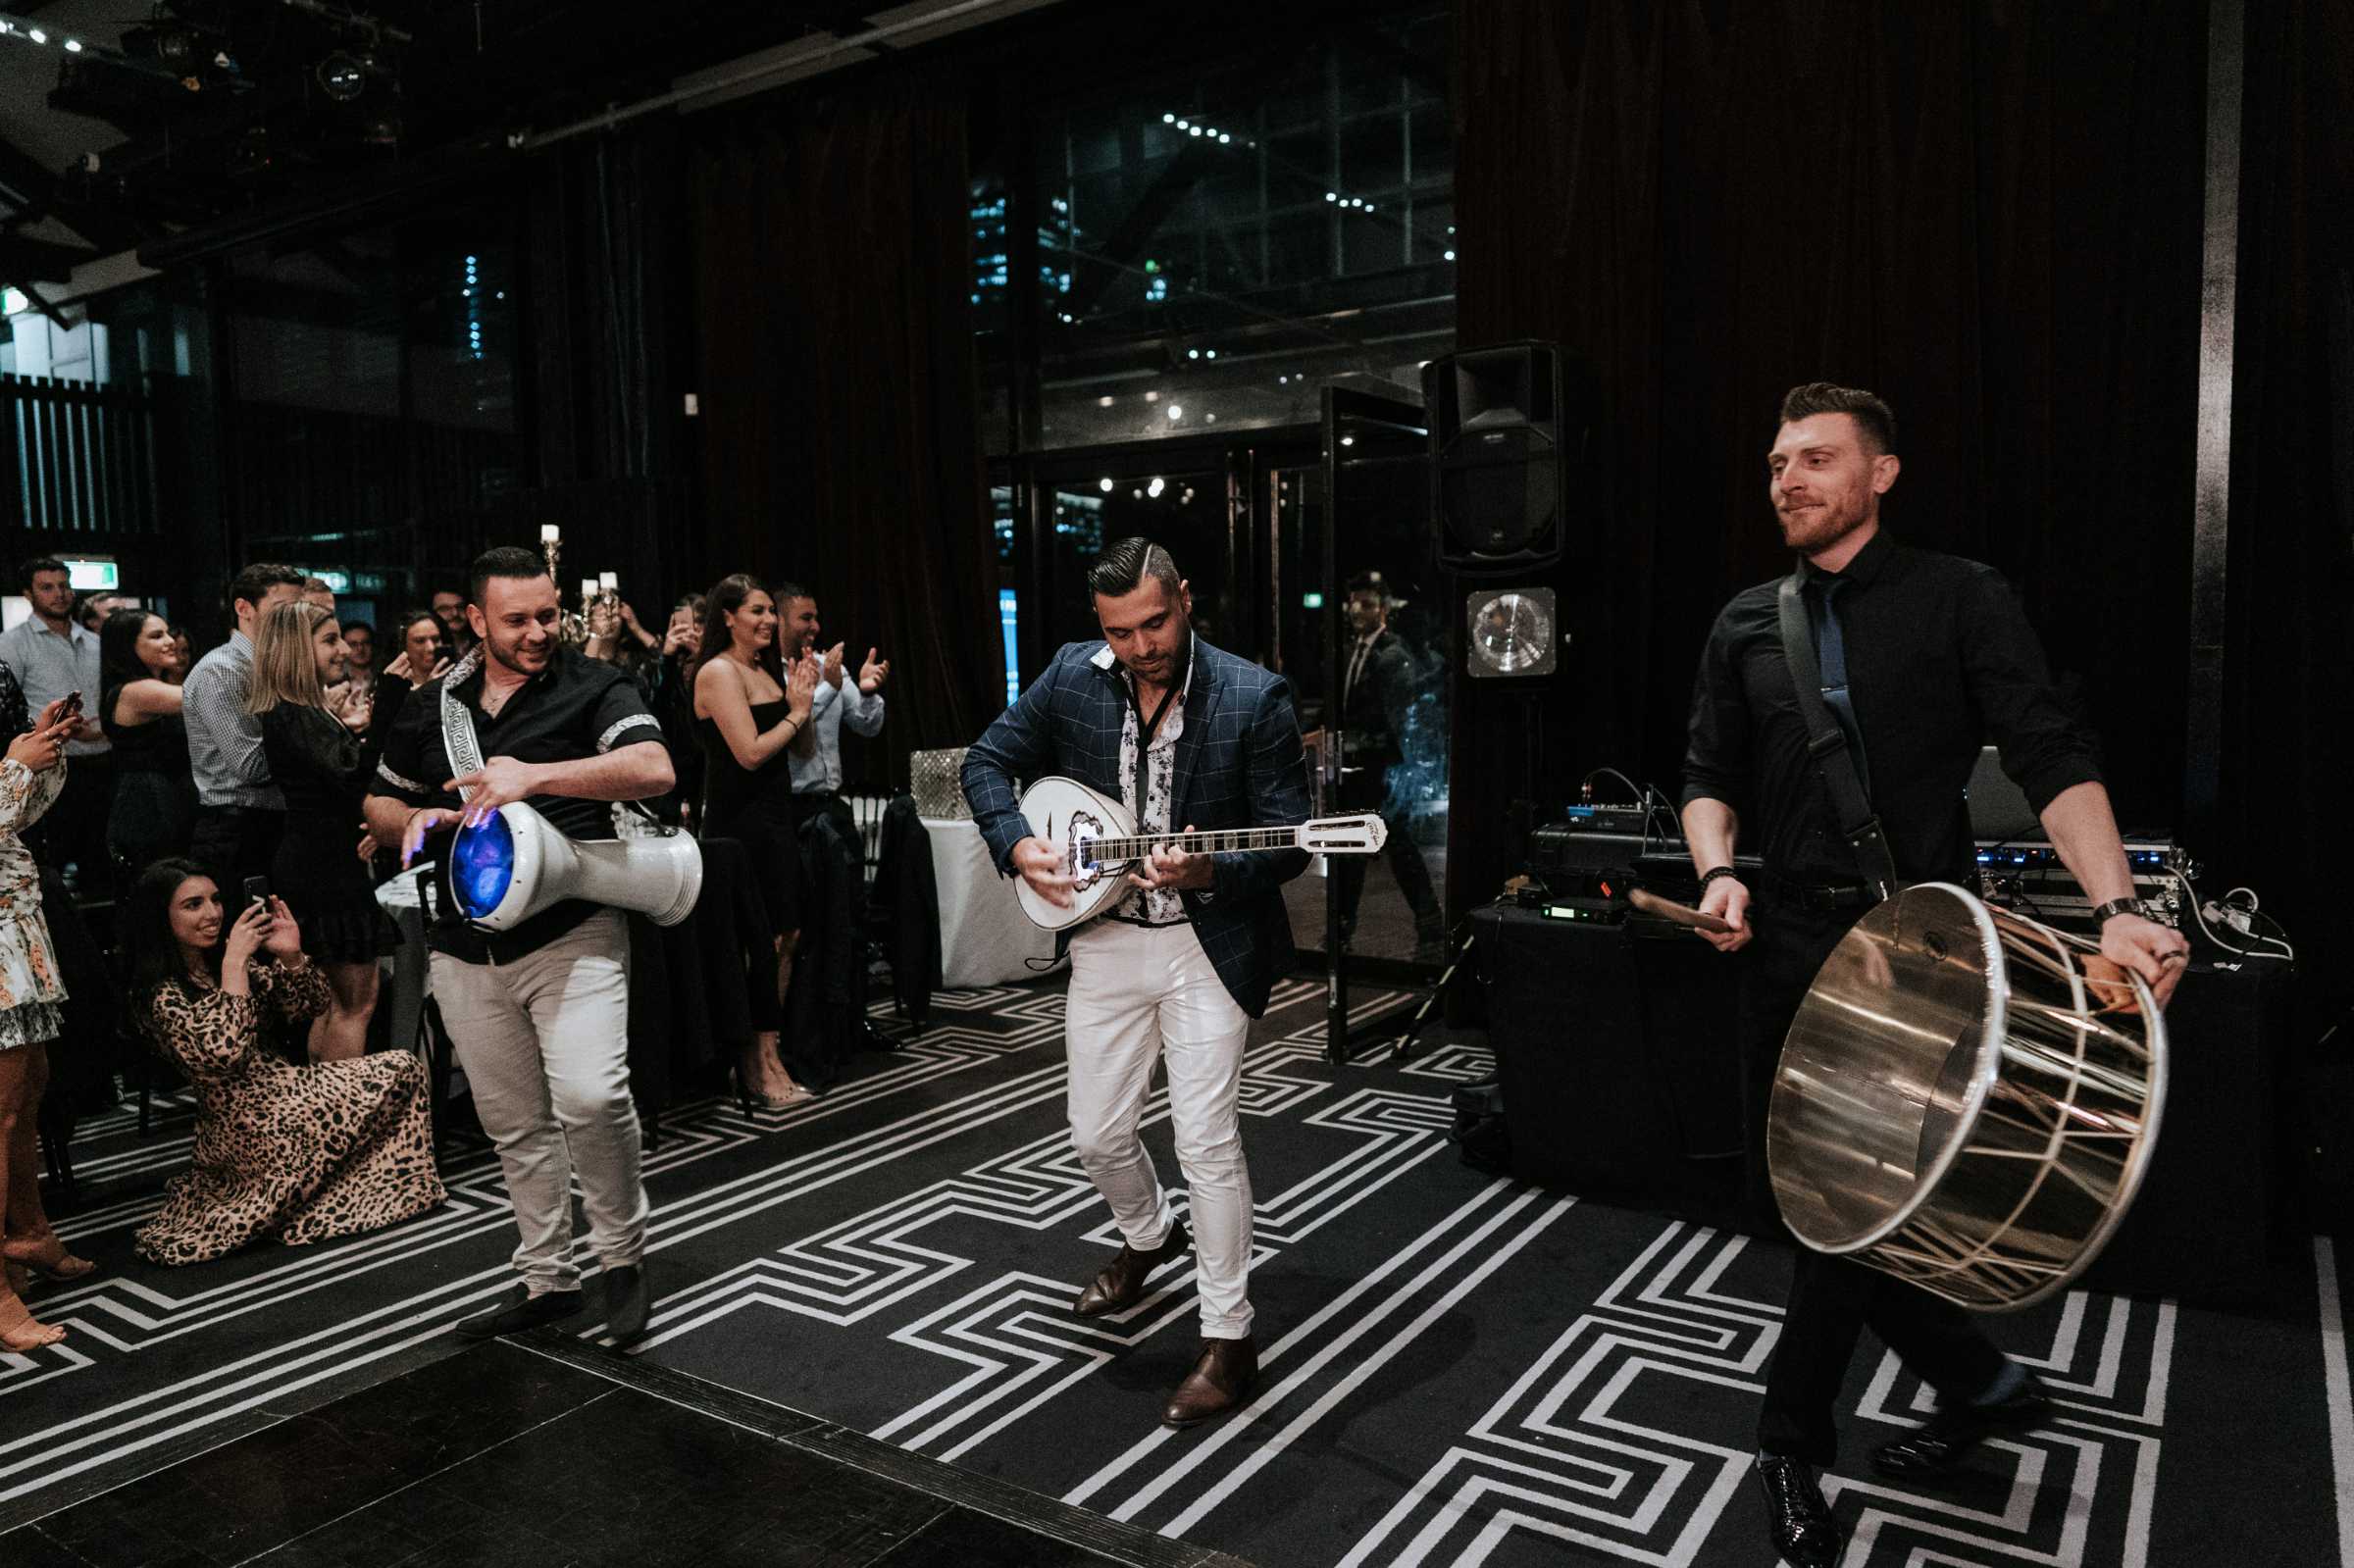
column 1140, row 994
column 545, row 1044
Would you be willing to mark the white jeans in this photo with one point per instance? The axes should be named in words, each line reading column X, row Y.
column 544, row 1042
column 1137, row 993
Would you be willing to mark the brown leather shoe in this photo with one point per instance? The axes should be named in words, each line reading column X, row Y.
column 1219, row 1381
column 1122, row 1282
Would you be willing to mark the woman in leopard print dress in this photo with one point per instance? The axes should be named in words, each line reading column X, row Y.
column 298, row 1153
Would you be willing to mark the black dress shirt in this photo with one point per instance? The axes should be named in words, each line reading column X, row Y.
column 1940, row 661
column 577, row 707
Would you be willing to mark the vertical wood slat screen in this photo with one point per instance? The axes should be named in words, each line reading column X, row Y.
column 77, row 459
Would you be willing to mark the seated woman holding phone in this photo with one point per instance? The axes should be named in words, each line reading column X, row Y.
column 299, row 1153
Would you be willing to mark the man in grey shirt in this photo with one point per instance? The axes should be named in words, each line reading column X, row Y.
column 52, row 655
column 239, row 812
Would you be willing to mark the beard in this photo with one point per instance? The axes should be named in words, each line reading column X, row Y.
column 1820, row 525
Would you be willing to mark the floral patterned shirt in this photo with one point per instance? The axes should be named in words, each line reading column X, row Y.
column 1162, row 906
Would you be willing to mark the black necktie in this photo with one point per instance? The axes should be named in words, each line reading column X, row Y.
column 1830, row 653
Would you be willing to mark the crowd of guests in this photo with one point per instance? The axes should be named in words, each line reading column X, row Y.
column 221, row 802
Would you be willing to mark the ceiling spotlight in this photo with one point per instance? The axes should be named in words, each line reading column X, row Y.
column 1157, row 486
column 72, row 46
column 1193, row 353
column 1332, row 195
column 1168, row 120
column 1181, row 124
column 1152, row 397
column 1104, row 486
column 1176, row 411
column 340, row 77
column 36, row 35
column 1450, row 255
column 1210, row 353
column 1209, row 419
column 1105, row 401
column 1193, row 131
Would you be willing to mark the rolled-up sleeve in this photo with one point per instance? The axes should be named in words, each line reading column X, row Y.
column 2044, row 750
column 1716, row 737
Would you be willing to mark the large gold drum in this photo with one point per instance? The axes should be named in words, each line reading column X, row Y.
column 1967, row 1100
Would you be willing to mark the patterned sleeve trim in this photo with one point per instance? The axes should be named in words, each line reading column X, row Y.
column 604, row 742
column 384, row 771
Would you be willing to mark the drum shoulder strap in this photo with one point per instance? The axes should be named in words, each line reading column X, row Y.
column 1826, row 742
column 464, row 747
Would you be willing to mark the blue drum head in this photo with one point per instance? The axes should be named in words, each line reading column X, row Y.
column 481, row 866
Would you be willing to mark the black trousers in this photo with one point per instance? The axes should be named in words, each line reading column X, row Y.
column 1831, row 1300
column 1367, row 789
column 233, row 843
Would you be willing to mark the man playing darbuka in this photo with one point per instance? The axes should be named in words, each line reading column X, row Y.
column 540, row 1013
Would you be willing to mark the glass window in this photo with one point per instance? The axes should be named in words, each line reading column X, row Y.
column 1213, row 247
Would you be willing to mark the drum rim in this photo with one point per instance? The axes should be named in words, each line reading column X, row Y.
column 1993, row 1029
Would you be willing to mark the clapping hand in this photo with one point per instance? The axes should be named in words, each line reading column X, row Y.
column 873, row 673
column 801, row 686
column 832, row 673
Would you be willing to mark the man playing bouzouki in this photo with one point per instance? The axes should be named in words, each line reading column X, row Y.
column 1182, row 733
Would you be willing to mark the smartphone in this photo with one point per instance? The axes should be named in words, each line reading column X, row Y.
column 73, row 704
column 257, row 889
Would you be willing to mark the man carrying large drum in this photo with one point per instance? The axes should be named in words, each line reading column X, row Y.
column 1850, row 778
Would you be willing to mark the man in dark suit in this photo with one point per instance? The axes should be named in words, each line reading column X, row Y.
column 1380, row 682
column 1188, row 736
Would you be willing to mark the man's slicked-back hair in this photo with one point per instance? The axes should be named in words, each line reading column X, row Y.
column 1123, row 567
column 38, row 563
column 507, row 560
column 1871, row 416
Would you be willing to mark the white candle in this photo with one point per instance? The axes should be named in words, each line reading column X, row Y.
column 608, row 581
column 588, row 590
column 549, row 533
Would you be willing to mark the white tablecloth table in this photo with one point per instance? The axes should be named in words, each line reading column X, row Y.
column 985, row 939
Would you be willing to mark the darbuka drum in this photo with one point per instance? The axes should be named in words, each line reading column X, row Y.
column 1961, row 1104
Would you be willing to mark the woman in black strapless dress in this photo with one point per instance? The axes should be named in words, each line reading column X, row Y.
column 748, row 713
column 154, row 811
column 318, row 763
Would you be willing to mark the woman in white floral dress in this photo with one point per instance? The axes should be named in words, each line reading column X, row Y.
column 31, row 777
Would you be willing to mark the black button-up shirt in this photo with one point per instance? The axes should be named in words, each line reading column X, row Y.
column 1940, row 661
column 577, row 707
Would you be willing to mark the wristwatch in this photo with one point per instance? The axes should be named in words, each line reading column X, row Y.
column 2115, row 906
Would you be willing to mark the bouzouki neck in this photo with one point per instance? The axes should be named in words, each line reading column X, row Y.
column 1139, row 845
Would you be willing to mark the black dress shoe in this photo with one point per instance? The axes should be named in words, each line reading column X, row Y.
column 1804, row 1531
column 521, row 1311
column 1951, row 1434
column 628, row 1303
column 1122, row 1282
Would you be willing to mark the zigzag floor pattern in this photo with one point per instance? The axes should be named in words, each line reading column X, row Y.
column 1456, row 1368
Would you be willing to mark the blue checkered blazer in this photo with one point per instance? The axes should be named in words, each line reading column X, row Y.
column 1238, row 765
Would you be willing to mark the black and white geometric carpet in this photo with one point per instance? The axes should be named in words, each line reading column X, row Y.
column 1456, row 1368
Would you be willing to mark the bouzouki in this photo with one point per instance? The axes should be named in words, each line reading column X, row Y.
column 1099, row 844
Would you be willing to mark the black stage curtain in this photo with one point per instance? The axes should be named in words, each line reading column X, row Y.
column 1990, row 214
column 840, row 432
column 2288, row 749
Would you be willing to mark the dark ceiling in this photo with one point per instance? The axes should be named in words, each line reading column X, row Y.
column 223, row 107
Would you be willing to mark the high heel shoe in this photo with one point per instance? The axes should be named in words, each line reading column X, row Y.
column 750, row 1100
column 56, row 1267
column 20, row 1331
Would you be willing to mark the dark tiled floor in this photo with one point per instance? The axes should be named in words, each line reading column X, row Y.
column 523, row 1455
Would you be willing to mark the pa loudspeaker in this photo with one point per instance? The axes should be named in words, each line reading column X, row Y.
column 1499, row 433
